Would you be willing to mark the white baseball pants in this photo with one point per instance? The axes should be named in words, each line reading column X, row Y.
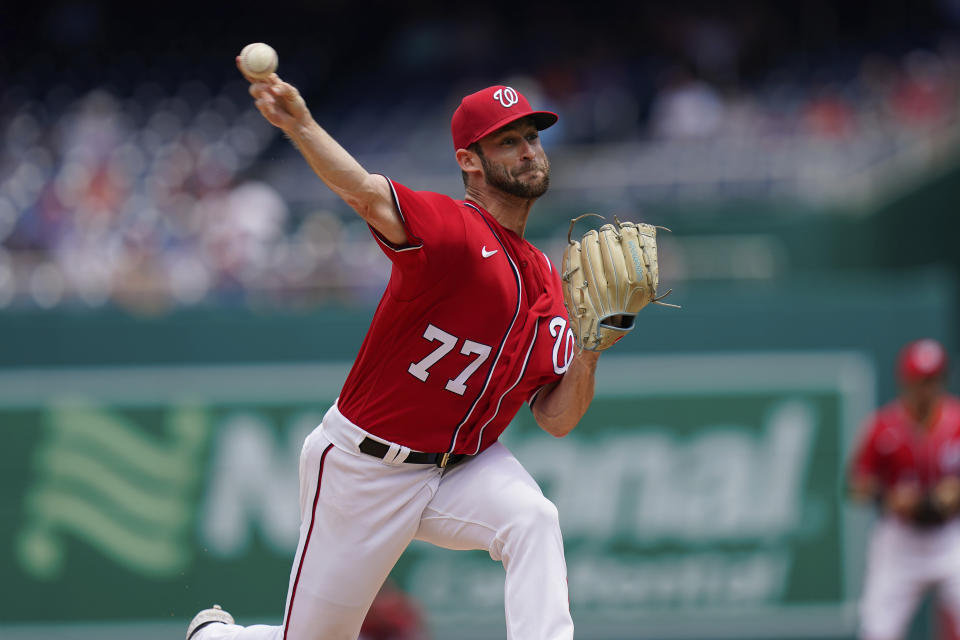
column 359, row 513
column 903, row 562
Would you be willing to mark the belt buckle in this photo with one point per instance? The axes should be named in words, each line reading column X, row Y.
column 444, row 459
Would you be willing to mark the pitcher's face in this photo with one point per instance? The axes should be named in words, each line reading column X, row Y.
column 514, row 161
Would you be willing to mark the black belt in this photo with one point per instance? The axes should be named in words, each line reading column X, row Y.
column 377, row 449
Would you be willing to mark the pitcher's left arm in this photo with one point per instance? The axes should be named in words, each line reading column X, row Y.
column 559, row 407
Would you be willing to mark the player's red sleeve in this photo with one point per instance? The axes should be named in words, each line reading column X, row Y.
column 435, row 236
column 431, row 221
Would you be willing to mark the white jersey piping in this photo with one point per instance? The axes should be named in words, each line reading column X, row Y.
column 523, row 370
column 403, row 221
column 503, row 343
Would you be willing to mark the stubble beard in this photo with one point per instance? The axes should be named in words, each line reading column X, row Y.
column 497, row 176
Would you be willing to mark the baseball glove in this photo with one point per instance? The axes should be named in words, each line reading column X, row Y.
column 608, row 276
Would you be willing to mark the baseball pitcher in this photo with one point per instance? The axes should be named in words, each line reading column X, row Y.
column 474, row 323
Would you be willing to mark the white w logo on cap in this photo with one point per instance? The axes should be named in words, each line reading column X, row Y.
column 507, row 96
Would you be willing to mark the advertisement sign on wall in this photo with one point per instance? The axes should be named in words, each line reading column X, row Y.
column 701, row 496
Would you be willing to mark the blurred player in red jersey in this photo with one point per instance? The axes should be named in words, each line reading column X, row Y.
column 393, row 615
column 908, row 462
column 471, row 327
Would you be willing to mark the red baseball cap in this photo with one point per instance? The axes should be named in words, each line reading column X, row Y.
column 922, row 359
column 485, row 111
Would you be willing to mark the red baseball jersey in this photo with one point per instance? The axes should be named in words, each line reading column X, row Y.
column 471, row 325
column 894, row 448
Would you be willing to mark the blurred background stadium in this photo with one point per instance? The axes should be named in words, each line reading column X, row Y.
column 180, row 297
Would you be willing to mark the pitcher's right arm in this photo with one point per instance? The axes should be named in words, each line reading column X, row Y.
column 368, row 194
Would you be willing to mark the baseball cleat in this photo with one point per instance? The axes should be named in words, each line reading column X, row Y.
column 208, row 616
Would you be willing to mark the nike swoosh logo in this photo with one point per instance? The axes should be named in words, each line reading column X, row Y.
column 487, row 254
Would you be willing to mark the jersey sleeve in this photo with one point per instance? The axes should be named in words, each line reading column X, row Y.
column 430, row 220
column 435, row 236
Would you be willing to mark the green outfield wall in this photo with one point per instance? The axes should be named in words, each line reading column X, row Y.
column 149, row 465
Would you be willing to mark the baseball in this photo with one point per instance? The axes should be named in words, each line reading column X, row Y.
column 258, row 60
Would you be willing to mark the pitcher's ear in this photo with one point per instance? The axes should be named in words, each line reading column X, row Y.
column 468, row 160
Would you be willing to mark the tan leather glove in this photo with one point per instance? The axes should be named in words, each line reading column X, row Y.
column 609, row 276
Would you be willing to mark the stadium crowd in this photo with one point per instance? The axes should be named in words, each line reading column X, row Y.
column 155, row 184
